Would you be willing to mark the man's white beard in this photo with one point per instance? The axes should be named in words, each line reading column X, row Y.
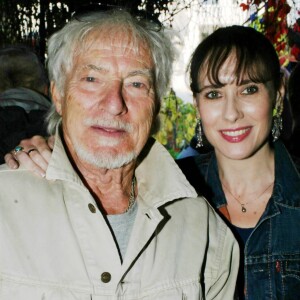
column 103, row 159
column 106, row 159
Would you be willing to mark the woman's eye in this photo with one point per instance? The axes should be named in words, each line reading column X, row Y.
column 213, row 95
column 249, row 90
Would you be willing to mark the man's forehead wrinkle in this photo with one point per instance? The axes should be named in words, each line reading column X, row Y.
column 107, row 36
column 120, row 38
column 102, row 49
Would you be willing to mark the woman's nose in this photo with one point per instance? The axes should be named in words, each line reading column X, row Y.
column 232, row 110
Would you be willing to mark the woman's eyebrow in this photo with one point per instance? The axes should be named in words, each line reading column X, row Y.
column 244, row 81
column 210, row 86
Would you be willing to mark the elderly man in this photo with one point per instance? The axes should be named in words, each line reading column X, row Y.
column 114, row 218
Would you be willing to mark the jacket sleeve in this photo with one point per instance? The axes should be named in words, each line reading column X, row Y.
column 223, row 257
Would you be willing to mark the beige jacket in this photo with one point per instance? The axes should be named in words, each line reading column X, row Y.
column 54, row 246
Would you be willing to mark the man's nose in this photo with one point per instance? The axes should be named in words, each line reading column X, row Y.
column 113, row 101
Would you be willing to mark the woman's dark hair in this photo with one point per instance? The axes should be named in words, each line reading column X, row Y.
column 255, row 56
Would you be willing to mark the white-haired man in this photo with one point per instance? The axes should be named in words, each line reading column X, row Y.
column 114, row 218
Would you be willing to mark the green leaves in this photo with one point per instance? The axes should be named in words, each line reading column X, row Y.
column 178, row 121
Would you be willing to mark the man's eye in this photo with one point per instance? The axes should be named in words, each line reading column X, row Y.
column 213, row 95
column 138, row 85
column 90, row 79
column 249, row 90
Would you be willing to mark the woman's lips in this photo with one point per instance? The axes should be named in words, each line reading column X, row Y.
column 235, row 135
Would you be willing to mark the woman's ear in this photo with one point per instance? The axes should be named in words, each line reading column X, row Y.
column 56, row 97
column 196, row 103
column 280, row 97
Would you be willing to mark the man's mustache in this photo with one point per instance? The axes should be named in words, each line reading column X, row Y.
column 112, row 124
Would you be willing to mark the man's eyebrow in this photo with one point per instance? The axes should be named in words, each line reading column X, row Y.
column 95, row 68
column 143, row 72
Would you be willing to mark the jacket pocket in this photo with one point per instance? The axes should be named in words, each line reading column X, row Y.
column 289, row 268
column 293, row 267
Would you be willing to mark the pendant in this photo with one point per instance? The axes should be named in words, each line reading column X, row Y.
column 243, row 209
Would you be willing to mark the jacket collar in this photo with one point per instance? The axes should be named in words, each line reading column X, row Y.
column 209, row 170
column 159, row 178
column 287, row 178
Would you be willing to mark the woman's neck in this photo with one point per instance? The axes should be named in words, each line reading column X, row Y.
column 247, row 185
column 250, row 173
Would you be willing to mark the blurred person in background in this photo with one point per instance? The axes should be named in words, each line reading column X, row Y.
column 23, row 96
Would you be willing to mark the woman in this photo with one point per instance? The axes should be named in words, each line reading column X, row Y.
column 249, row 177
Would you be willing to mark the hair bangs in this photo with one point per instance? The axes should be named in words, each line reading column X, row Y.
column 252, row 53
column 247, row 65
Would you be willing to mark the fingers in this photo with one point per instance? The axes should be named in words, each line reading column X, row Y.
column 33, row 161
column 44, row 149
column 33, row 154
column 11, row 161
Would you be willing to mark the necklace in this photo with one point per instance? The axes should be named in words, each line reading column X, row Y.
column 132, row 195
column 244, row 210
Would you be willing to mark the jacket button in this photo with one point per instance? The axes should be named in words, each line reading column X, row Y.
column 92, row 208
column 105, row 277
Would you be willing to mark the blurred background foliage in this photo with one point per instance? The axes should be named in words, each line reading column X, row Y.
column 178, row 121
column 270, row 18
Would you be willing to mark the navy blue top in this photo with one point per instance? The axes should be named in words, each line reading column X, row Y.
column 243, row 233
column 271, row 256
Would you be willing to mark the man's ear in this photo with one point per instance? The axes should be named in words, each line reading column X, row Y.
column 56, row 98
